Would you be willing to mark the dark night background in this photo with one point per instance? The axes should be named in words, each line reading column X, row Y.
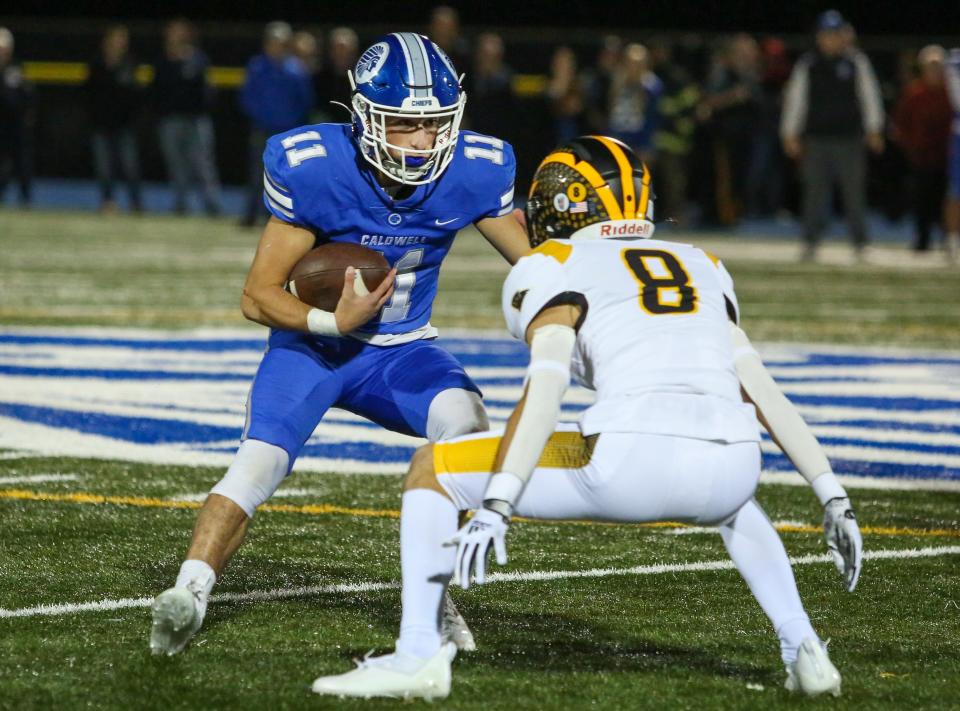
column 940, row 17
column 58, row 31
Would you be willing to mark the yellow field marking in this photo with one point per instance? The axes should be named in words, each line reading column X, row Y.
column 82, row 497
column 147, row 502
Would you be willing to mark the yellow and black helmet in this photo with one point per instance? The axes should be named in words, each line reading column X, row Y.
column 589, row 180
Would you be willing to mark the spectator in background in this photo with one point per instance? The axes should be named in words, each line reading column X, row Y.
column 277, row 95
column 921, row 125
column 444, row 31
column 634, row 101
column 673, row 139
column 597, row 82
column 113, row 101
column 765, row 178
column 182, row 99
column 732, row 103
column 951, row 208
column 492, row 106
column 565, row 92
column 831, row 106
column 331, row 82
column 306, row 47
column 16, row 122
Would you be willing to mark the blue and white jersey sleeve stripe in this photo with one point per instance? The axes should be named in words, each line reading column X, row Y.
column 278, row 187
column 506, row 203
column 278, row 199
column 495, row 169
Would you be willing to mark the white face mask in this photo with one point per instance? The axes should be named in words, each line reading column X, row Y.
column 413, row 167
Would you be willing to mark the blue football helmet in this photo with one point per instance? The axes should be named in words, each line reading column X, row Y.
column 405, row 75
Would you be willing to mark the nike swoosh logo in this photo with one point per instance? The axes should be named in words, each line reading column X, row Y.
column 446, row 222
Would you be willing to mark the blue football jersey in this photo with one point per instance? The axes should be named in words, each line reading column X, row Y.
column 314, row 177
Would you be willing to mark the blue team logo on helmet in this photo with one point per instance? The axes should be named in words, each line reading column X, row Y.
column 371, row 61
column 405, row 76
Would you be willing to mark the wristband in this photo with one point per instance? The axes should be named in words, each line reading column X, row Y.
column 322, row 323
column 826, row 487
column 501, row 507
column 504, row 486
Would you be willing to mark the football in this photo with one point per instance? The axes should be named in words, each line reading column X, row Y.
column 317, row 279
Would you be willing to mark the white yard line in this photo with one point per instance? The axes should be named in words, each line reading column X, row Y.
column 533, row 576
column 880, row 455
column 288, row 493
column 37, row 478
column 687, row 530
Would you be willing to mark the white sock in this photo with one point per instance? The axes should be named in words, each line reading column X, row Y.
column 199, row 577
column 759, row 555
column 427, row 519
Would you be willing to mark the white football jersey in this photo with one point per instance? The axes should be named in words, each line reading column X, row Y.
column 654, row 339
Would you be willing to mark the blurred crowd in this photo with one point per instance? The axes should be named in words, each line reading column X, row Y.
column 738, row 130
column 733, row 133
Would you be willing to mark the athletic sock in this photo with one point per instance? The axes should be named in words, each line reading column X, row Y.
column 427, row 519
column 198, row 577
column 758, row 553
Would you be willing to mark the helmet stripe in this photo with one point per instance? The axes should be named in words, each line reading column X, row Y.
column 626, row 177
column 426, row 64
column 593, row 177
column 643, row 207
column 417, row 63
column 406, row 52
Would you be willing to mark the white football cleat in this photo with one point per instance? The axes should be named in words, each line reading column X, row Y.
column 453, row 627
column 395, row 676
column 813, row 673
column 176, row 618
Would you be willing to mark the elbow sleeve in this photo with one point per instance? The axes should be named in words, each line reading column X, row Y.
column 548, row 376
column 783, row 419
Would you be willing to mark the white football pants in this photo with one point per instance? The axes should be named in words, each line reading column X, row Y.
column 628, row 477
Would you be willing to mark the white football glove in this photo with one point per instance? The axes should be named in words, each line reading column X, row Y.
column 487, row 528
column 843, row 539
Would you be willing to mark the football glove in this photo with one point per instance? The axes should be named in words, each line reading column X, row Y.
column 843, row 539
column 487, row 528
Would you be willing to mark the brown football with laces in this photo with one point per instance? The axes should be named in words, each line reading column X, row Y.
column 317, row 279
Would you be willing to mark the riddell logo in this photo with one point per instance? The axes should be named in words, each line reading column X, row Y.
column 621, row 229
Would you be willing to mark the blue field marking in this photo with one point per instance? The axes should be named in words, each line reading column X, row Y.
column 158, row 395
column 118, row 374
column 836, row 359
column 142, row 430
column 894, row 425
column 877, row 402
column 856, row 467
column 164, row 344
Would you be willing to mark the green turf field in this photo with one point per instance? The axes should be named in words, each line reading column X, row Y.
column 78, row 531
column 78, row 269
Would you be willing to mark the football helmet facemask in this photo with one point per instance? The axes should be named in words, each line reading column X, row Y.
column 405, row 75
column 589, row 188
